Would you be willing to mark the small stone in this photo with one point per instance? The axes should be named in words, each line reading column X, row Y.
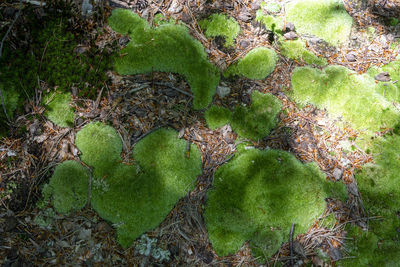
column 291, row 35
column 289, row 27
column 223, row 91
column 85, row 234
column 337, row 174
column 383, row 77
column 245, row 16
column 103, row 227
column 244, row 43
column 255, row 5
column 175, row 7
column 351, row 57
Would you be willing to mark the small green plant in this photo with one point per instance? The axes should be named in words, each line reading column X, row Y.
column 257, row 64
column 256, row 122
column 326, row 19
column 221, row 25
column 45, row 218
column 217, row 117
column 167, row 48
column 297, row 50
column 256, row 197
column 148, row 247
column 59, row 110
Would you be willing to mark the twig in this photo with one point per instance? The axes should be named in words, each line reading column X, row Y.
column 291, row 244
column 9, row 29
column 176, row 89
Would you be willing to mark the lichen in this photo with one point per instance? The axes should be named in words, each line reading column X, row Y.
column 221, row 25
column 257, row 196
column 167, row 48
column 257, row 64
column 297, row 50
column 326, row 19
column 68, row 187
column 217, row 116
column 59, row 110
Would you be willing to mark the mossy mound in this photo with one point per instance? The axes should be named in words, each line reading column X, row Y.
column 59, row 110
column 221, row 25
column 217, row 117
column 326, row 19
column 257, row 120
column 344, row 93
column 68, row 187
column 137, row 198
column 389, row 90
column 297, row 50
column 167, row 48
column 265, row 15
column 100, row 146
column 257, row 196
column 257, row 64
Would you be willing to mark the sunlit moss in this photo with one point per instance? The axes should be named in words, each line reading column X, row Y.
column 221, row 25
column 345, row 94
column 271, row 22
column 326, row 19
column 271, row 6
column 257, row 120
column 68, row 187
column 59, row 110
column 217, row 117
column 297, row 50
column 390, row 90
column 168, row 48
column 256, row 197
column 257, row 64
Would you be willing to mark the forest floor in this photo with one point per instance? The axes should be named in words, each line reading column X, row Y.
column 135, row 105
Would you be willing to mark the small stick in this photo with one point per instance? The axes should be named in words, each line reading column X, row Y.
column 291, row 244
column 9, row 29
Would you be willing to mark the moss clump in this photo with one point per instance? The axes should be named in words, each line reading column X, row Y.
column 257, row 196
column 167, row 48
column 255, row 122
column 11, row 100
column 68, row 187
column 217, row 117
column 326, row 19
column 344, row 93
column 100, row 146
column 59, row 110
column 271, row 22
column 221, row 25
column 297, row 50
column 137, row 198
column 257, row 64
column 389, row 90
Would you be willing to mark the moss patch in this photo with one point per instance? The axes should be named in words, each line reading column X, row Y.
column 326, row 19
column 221, row 25
column 257, row 64
column 257, row 120
column 389, row 90
column 167, row 48
column 297, row 50
column 263, row 190
column 265, row 15
column 344, row 93
column 217, row 117
column 59, row 110
column 68, row 187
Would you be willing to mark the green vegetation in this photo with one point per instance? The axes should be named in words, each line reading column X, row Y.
column 221, row 25
column 68, row 187
column 167, row 48
column 256, row 122
column 297, row 50
column 271, row 22
column 326, row 19
column 271, row 7
column 100, row 146
column 257, row 196
column 389, row 90
column 11, row 99
column 257, row 64
column 59, row 110
column 217, row 117
column 344, row 93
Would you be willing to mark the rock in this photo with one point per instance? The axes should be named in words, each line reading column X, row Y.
column 244, row 43
column 85, row 234
column 383, row 77
column 291, row 35
column 337, row 174
column 223, row 91
column 175, row 7
column 351, row 57
column 289, row 27
column 245, row 16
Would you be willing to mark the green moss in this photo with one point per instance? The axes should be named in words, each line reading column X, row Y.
column 217, row 117
column 100, row 146
column 68, row 187
column 59, row 110
column 137, row 198
column 272, row 23
column 344, row 93
column 326, row 19
column 257, row 64
column 271, row 7
column 297, row 50
column 255, row 122
column 11, row 100
column 258, row 194
column 167, row 48
column 221, row 25
column 390, row 90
